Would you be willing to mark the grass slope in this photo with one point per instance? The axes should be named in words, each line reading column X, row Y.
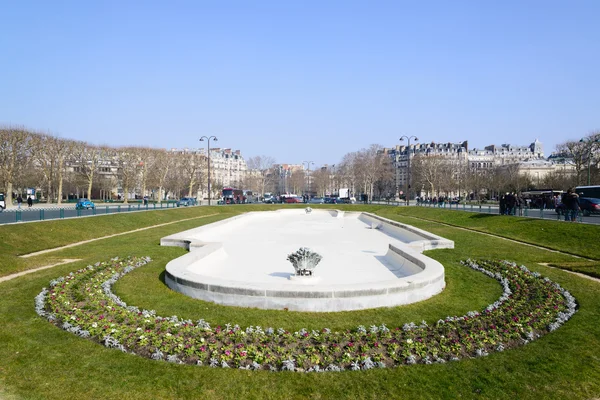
column 39, row 361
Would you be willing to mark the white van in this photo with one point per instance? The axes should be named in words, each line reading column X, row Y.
column 2, row 202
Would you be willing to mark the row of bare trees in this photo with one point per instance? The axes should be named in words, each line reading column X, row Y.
column 59, row 166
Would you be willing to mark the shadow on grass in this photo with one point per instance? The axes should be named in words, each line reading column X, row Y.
column 481, row 216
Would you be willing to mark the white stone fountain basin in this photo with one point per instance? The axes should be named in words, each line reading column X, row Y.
column 368, row 261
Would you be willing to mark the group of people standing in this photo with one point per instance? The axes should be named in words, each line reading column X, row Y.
column 509, row 203
column 570, row 201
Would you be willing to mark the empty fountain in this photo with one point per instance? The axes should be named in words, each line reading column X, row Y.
column 365, row 261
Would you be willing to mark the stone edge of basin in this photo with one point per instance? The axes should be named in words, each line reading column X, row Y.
column 343, row 297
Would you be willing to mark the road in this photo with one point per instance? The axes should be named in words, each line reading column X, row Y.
column 53, row 211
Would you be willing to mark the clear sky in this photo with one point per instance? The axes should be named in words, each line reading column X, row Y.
column 301, row 80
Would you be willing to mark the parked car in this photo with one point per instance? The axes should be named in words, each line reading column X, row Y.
column 588, row 205
column 294, row 199
column 2, row 202
column 330, row 200
column 84, row 204
column 317, row 200
column 269, row 200
column 186, row 201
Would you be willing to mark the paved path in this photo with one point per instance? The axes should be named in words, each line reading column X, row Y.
column 30, row 271
column 69, row 260
column 37, row 253
column 523, row 243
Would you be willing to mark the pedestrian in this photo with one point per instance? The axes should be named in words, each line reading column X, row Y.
column 572, row 207
column 29, row 201
column 19, row 201
column 519, row 203
column 510, row 203
column 557, row 201
column 502, row 205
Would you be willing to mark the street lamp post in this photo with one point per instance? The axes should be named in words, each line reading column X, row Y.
column 591, row 144
column 308, row 163
column 408, row 164
column 208, row 138
column 332, row 180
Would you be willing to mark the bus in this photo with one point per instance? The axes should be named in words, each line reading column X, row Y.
column 588, row 191
column 232, row 196
column 542, row 198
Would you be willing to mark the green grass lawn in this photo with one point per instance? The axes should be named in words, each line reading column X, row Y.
column 40, row 361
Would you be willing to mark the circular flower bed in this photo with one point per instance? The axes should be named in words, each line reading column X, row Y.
column 83, row 304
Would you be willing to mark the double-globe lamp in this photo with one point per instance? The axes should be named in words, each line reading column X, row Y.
column 214, row 139
column 408, row 164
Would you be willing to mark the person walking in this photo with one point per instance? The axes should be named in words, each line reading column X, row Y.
column 29, row 201
column 19, row 201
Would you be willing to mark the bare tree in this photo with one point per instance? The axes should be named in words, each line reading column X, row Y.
column 297, row 181
column 128, row 161
column 427, row 172
column 89, row 159
column 174, row 182
column 15, row 147
column 63, row 149
column 385, row 182
column 164, row 163
column 191, row 166
column 348, row 171
column 46, row 161
column 147, row 161
column 261, row 167
column 321, row 180
column 560, row 178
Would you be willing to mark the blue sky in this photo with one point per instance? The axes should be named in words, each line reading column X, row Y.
column 301, row 80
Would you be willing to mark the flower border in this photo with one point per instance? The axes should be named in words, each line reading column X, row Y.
column 83, row 303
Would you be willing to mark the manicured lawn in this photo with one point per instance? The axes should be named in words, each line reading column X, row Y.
column 40, row 361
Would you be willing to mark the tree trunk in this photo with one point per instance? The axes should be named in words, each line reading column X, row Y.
column 60, row 185
column 49, row 194
column 8, row 198
column 89, row 191
column 60, row 181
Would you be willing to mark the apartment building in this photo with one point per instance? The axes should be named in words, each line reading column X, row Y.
column 529, row 158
